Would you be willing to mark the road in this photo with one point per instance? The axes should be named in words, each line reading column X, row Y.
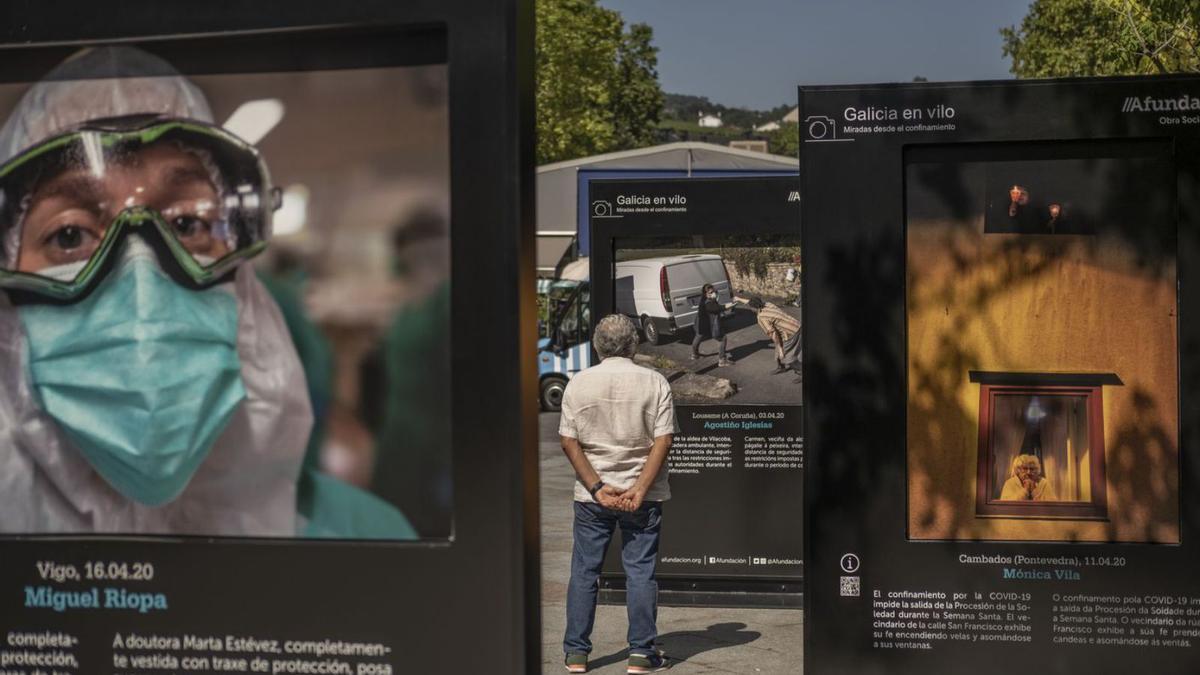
column 754, row 360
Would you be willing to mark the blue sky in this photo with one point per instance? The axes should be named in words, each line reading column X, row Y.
column 753, row 53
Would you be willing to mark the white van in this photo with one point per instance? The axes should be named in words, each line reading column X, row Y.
column 662, row 294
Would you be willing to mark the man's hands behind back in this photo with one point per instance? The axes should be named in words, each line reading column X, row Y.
column 612, row 498
column 621, row 500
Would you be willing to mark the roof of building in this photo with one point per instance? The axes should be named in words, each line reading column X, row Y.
column 557, row 186
column 675, row 156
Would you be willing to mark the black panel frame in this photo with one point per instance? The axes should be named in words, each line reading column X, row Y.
column 426, row 599
column 717, row 207
column 853, row 288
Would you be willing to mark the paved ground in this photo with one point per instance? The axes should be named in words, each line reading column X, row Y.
column 753, row 354
column 701, row 640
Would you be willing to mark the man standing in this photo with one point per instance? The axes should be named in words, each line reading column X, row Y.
column 616, row 427
column 784, row 332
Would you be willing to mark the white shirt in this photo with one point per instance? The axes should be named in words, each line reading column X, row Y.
column 616, row 409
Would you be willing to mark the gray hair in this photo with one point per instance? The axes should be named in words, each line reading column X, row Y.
column 1021, row 460
column 615, row 336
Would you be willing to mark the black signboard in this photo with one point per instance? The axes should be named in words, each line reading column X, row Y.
column 738, row 455
column 1000, row 376
column 108, row 566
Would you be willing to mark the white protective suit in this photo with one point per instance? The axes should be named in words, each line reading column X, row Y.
column 247, row 483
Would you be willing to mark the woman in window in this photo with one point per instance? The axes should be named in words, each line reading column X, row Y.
column 1027, row 482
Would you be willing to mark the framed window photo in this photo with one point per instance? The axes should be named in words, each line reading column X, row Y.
column 1041, row 449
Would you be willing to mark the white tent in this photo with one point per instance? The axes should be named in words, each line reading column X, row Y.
column 557, row 184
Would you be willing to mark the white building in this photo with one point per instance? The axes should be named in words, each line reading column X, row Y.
column 793, row 117
column 710, row 121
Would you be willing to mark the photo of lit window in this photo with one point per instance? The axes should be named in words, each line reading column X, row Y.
column 1042, row 348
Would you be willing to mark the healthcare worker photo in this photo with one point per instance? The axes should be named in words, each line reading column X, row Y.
column 150, row 384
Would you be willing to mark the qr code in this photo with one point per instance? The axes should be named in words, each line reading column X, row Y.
column 850, row 587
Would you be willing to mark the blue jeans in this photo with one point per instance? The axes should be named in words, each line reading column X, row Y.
column 594, row 527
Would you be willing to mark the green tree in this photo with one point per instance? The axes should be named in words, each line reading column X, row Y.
column 1059, row 38
column 597, row 83
column 785, row 140
column 638, row 98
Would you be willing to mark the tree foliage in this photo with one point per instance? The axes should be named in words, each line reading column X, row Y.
column 597, row 81
column 785, row 140
column 1059, row 38
column 754, row 261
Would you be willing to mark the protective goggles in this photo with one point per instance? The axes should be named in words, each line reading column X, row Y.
column 200, row 196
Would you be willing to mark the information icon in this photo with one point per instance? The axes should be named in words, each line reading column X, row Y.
column 849, row 563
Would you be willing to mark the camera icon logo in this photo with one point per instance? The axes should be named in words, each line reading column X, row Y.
column 602, row 208
column 820, row 127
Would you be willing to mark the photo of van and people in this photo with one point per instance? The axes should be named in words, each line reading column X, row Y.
column 226, row 301
column 719, row 315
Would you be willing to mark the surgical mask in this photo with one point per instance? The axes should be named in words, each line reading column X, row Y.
column 142, row 374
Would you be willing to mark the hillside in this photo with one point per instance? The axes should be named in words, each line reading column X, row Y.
column 687, row 108
column 681, row 113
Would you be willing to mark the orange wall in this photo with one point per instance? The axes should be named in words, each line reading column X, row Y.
column 1002, row 302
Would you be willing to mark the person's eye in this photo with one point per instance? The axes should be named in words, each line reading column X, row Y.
column 188, row 226
column 69, row 242
column 68, row 238
column 198, row 234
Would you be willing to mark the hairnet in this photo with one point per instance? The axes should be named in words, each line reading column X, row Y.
column 96, row 83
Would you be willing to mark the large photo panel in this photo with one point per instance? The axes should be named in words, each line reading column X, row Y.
column 229, row 300
column 1042, row 343
column 1000, row 376
column 709, row 269
column 232, row 255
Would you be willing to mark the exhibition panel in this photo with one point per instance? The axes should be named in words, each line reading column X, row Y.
column 1000, row 375
column 242, row 250
column 709, row 269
